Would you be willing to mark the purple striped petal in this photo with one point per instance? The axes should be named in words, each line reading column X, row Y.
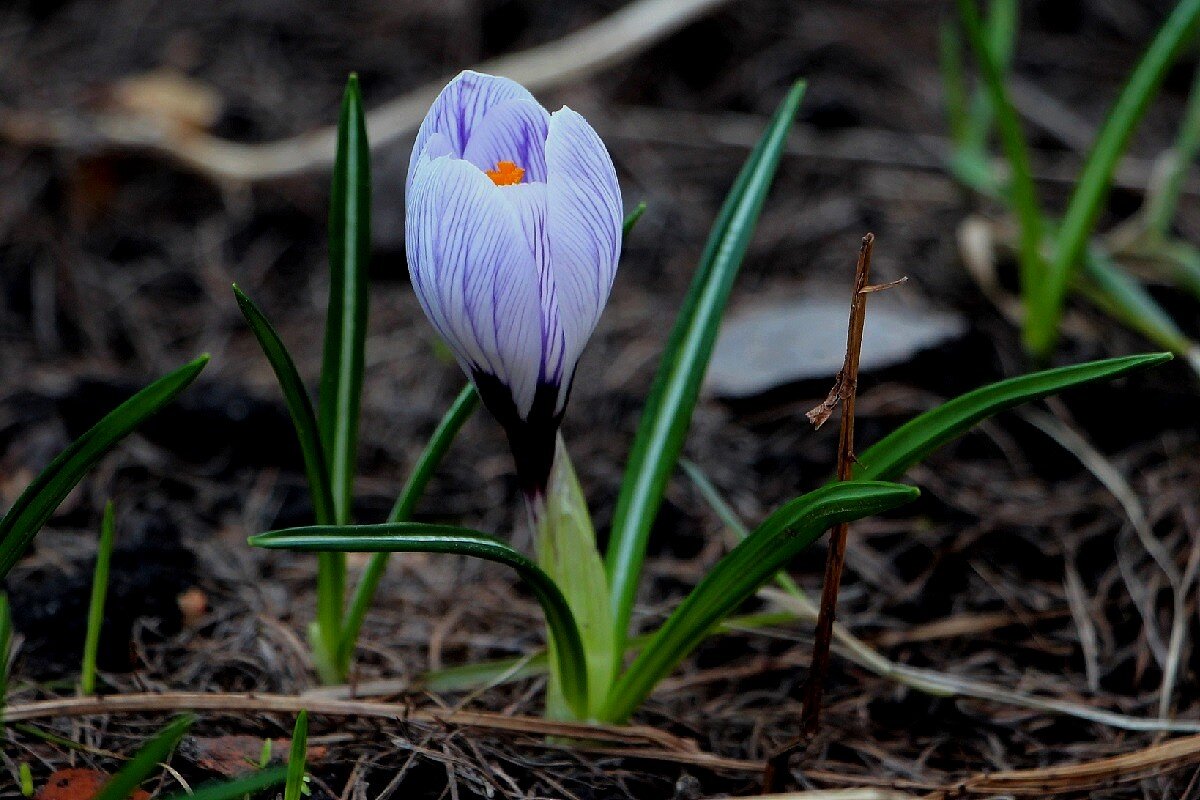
column 583, row 224
column 511, row 131
column 475, row 274
column 460, row 107
column 529, row 201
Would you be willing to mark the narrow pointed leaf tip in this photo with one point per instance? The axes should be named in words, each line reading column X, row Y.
column 1042, row 317
column 304, row 418
column 676, row 387
column 146, row 761
column 39, row 500
column 517, row 296
column 343, row 358
column 917, row 438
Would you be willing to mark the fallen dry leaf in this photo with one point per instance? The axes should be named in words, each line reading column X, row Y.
column 79, row 783
column 169, row 97
column 193, row 603
column 237, row 754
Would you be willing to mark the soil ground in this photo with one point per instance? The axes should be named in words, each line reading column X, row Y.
column 1016, row 566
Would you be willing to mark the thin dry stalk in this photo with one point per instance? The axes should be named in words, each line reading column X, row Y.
column 844, row 391
column 1112, row 480
column 635, row 735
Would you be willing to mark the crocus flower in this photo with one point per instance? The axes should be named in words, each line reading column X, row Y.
column 513, row 230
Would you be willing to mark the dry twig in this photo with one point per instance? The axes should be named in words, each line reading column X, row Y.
column 844, row 391
column 629, row 736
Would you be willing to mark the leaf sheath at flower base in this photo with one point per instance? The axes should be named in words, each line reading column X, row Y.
column 566, row 549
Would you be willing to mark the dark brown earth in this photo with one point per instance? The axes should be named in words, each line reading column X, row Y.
column 116, row 267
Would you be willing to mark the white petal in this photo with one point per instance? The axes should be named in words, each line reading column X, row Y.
column 583, row 222
column 529, row 201
column 474, row 273
column 460, row 106
column 515, row 131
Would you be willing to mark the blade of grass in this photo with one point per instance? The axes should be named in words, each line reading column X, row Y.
column 39, row 500
column 300, row 408
column 1022, row 191
column 730, row 519
column 5, row 654
column 1121, row 295
column 1000, row 33
column 145, row 762
column 1182, row 264
column 890, row 457
column 954, row 82
column 25, row 777
column 297, row 758
column 412, row 537
column 788, row 531
column 1041, row 329
column 237, row 788
column 343, row 359
column 1161, row 205
column 95, row 617
column 346, row 321
column 672, row 397
column 970, row 120
column 460, row 411
column 435, row 450
column 631, row 219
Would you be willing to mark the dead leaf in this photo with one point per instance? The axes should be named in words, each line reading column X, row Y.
column 237, row 754
column 193, row 603
column 168, row 97
column 772, row 344
column 78, row 783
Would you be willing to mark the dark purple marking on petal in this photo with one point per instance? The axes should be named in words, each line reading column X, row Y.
column 531, row 439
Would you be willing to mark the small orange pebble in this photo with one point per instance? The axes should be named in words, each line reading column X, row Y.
column 193, row 603
column 506, row 173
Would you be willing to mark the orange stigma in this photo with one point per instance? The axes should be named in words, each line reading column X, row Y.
column 506, row 173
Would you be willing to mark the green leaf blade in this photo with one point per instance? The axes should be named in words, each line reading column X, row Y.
column 734, row 578
column 676, row 386
column 300, row 408
column 145, row 761
column 5, row 652
column 631, row 219
column 911, row 442
column 95, row 617
column 297, row 758
column 346, row 321
column 237, row 788
column 1031, row 220
column 1123, row 297
column 1041, row 330
column 39, row 500
column 413, row 537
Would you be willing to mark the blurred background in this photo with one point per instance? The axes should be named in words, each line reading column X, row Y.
column 116, row 259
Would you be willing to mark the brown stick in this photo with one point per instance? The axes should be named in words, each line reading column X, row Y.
column 845, row 389
column 628, row 735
